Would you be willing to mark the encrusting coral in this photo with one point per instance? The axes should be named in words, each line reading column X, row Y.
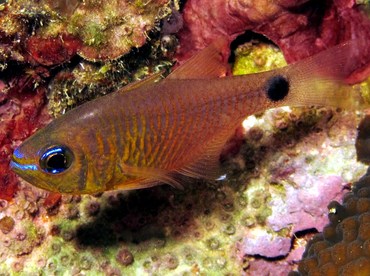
column 344, row 246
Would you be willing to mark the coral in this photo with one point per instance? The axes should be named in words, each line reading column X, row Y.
column 78, row 84
column 256, row 57
column 362, row 141
column 39, row 43
column 6, row 224
column 236, row 226
column 295, row 202
column 282, row 166
column 52, row 51
column 343, row 246
column 52, row 203
column 51, row 32
column 125, row 257
column 21, row 112
column 111, row 30
column 299, row 28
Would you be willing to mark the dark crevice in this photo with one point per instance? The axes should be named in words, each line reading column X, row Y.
column 248, row 36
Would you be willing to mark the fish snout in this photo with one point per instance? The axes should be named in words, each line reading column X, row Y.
column 15, row 161
column 18, row 162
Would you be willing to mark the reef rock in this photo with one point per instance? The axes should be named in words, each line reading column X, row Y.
column 344, row 246
column 299, row 28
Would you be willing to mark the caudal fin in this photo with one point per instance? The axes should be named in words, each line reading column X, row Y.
column 321, row 79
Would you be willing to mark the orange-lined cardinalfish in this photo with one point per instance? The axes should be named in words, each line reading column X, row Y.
column 153, row 132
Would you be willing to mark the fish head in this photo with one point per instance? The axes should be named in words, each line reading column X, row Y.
column 51, row 159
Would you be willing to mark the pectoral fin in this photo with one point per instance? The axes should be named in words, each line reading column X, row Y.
column 144, row 177
column 207, row 165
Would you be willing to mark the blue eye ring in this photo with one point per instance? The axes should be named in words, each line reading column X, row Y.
column 56, row 159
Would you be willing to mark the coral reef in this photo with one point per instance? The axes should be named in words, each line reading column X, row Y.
column 284, row 164
column 39, row 43
column 362, row 141
column 166, row 231
column 21, row 112
column 73, row 86
column 344, row 246
column 299, row 28
column 51, row 32
column 248, row 224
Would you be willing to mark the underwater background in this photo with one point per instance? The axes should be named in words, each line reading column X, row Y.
column 285, row 166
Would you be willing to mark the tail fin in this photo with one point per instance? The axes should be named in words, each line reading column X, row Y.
column 321, row 79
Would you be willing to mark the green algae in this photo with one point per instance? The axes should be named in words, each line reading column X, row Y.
column 92, row 34
column 364, row 88
column 257, row 58
column 74, row 86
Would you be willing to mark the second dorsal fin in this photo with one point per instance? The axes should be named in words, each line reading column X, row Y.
column 208, row 63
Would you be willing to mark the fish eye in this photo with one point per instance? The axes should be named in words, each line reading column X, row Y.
column 56, row 159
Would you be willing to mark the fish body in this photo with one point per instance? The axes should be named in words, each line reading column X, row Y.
column 154, row 132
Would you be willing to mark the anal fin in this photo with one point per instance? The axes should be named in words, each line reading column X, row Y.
column 206, row 168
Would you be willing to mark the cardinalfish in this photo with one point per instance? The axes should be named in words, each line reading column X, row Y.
column 153, row 132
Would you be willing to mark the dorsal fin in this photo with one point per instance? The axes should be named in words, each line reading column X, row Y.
column 146, row 81
column 208, row 63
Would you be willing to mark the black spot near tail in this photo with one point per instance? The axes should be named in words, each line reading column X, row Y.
column 277, row 88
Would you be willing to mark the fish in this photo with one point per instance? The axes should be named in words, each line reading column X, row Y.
column 160, row 131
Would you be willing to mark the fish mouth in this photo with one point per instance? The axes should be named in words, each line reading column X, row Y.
column 24, row 169
column 13, row 165
column 18, row 165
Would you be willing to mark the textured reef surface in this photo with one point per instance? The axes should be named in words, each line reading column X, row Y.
column 299, row 28
column 285, row 165
column 344, row 246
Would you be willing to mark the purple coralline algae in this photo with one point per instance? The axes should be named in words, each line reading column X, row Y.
column 343, row 246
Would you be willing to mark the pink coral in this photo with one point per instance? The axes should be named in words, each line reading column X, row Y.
column 299, row 28
column 51, row 51
column 21, row 112
column 306, row 203
column 304, row 208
